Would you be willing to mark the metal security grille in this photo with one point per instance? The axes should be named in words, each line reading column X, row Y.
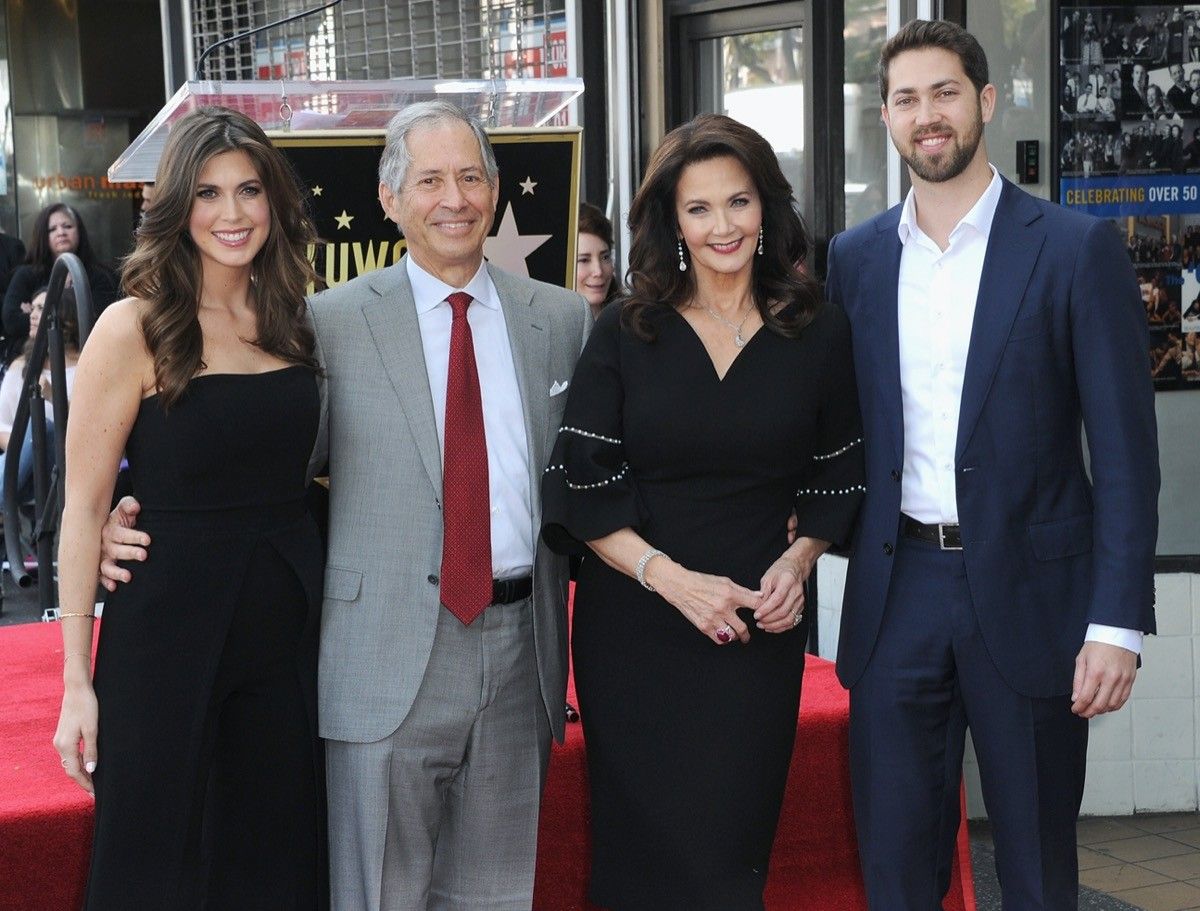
column 381, row 39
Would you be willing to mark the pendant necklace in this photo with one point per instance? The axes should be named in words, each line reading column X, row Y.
column 737, row 329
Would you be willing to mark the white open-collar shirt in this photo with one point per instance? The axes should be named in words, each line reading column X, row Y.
column 936, row 298
column 503, row 415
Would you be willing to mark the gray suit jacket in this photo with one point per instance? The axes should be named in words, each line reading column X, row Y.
column 385, row 520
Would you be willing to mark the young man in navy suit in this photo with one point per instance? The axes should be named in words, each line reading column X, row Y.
column 993, row 585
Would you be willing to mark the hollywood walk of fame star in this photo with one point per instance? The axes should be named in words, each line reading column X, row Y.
column 343, row 220
column 527, row 185
column 509, row 247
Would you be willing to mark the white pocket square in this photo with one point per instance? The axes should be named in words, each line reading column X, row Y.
column 557, row 388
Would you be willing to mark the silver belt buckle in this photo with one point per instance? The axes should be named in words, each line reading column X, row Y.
column 942, row 538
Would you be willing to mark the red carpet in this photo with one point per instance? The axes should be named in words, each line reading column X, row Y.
column 45, row 819
column 814, row 866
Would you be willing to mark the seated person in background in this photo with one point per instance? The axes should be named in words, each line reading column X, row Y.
column 594, row 277
column 58, row 229
column 14, row 381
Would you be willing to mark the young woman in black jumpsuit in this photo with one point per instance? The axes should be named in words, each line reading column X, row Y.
column 198, row 733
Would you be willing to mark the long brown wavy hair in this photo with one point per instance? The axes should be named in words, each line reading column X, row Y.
column 165, row 268
column 654, row 280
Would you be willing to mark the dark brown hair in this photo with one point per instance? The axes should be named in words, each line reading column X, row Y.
column 655, row 281
column 165, row 268
column 593, row 221
column 923, row 33
column 68, row 319
column 41, row 257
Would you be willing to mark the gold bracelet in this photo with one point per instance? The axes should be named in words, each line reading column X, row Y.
column 87, row 655
column 61, row 615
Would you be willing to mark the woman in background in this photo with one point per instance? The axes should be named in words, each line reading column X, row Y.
column 13, row 385
column 594, row 277
column 57, row 229
column 198, row 733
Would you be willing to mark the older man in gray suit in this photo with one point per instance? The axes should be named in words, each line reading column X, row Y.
column 443, row 641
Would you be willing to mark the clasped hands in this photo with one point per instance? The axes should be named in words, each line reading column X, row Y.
column 711, row 603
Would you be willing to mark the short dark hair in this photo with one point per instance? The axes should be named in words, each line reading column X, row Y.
column 923, row 33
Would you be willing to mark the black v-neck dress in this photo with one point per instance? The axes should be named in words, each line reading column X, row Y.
column 688, row 741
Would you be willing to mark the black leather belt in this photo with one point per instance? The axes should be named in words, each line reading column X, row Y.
column 506, row 591
column 947, row 537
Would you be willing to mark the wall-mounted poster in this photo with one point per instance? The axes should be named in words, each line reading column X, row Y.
column 1128, row 148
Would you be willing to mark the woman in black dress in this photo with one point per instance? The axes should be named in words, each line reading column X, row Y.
column 198, row 734
column 714, row 401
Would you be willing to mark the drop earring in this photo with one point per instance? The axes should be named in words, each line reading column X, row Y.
column 760, row 237
column 679, row 246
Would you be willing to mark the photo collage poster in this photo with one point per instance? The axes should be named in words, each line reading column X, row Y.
column 1128, row 148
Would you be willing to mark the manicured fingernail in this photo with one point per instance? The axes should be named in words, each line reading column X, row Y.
column 90, row 766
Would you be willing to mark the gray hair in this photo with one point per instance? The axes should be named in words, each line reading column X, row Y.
column 393, row 164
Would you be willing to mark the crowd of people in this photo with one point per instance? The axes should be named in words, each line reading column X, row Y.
column 1091, row 36
column 1144, row 248
column 1158, row 147
column 1129, row 92
column 259, row 736
column 24, row 274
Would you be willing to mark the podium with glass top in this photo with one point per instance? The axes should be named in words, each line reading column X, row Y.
column 333, row 133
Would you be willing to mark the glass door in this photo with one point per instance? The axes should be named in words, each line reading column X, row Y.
column 757, row 78
column 756, row 63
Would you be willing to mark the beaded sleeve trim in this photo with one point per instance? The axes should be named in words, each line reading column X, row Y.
column 572, row 486
column 837, row 452
column 590, row 435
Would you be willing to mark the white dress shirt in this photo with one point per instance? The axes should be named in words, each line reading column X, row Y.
column 503, row 415
column 936, row 300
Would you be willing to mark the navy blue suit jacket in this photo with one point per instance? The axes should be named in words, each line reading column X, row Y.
column 1059, row 341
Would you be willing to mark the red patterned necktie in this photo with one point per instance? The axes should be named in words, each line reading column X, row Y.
column 466, row 516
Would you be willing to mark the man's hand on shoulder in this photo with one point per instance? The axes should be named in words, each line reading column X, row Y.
column 120, row 540
column 1104, row 677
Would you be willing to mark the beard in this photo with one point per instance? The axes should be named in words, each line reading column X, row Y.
column 951, row 161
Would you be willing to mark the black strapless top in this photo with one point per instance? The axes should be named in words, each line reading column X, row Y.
column 232, row 440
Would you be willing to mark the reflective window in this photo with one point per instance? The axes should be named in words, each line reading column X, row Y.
column 758, row 80
column 864, row 32
column 1015, row 35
